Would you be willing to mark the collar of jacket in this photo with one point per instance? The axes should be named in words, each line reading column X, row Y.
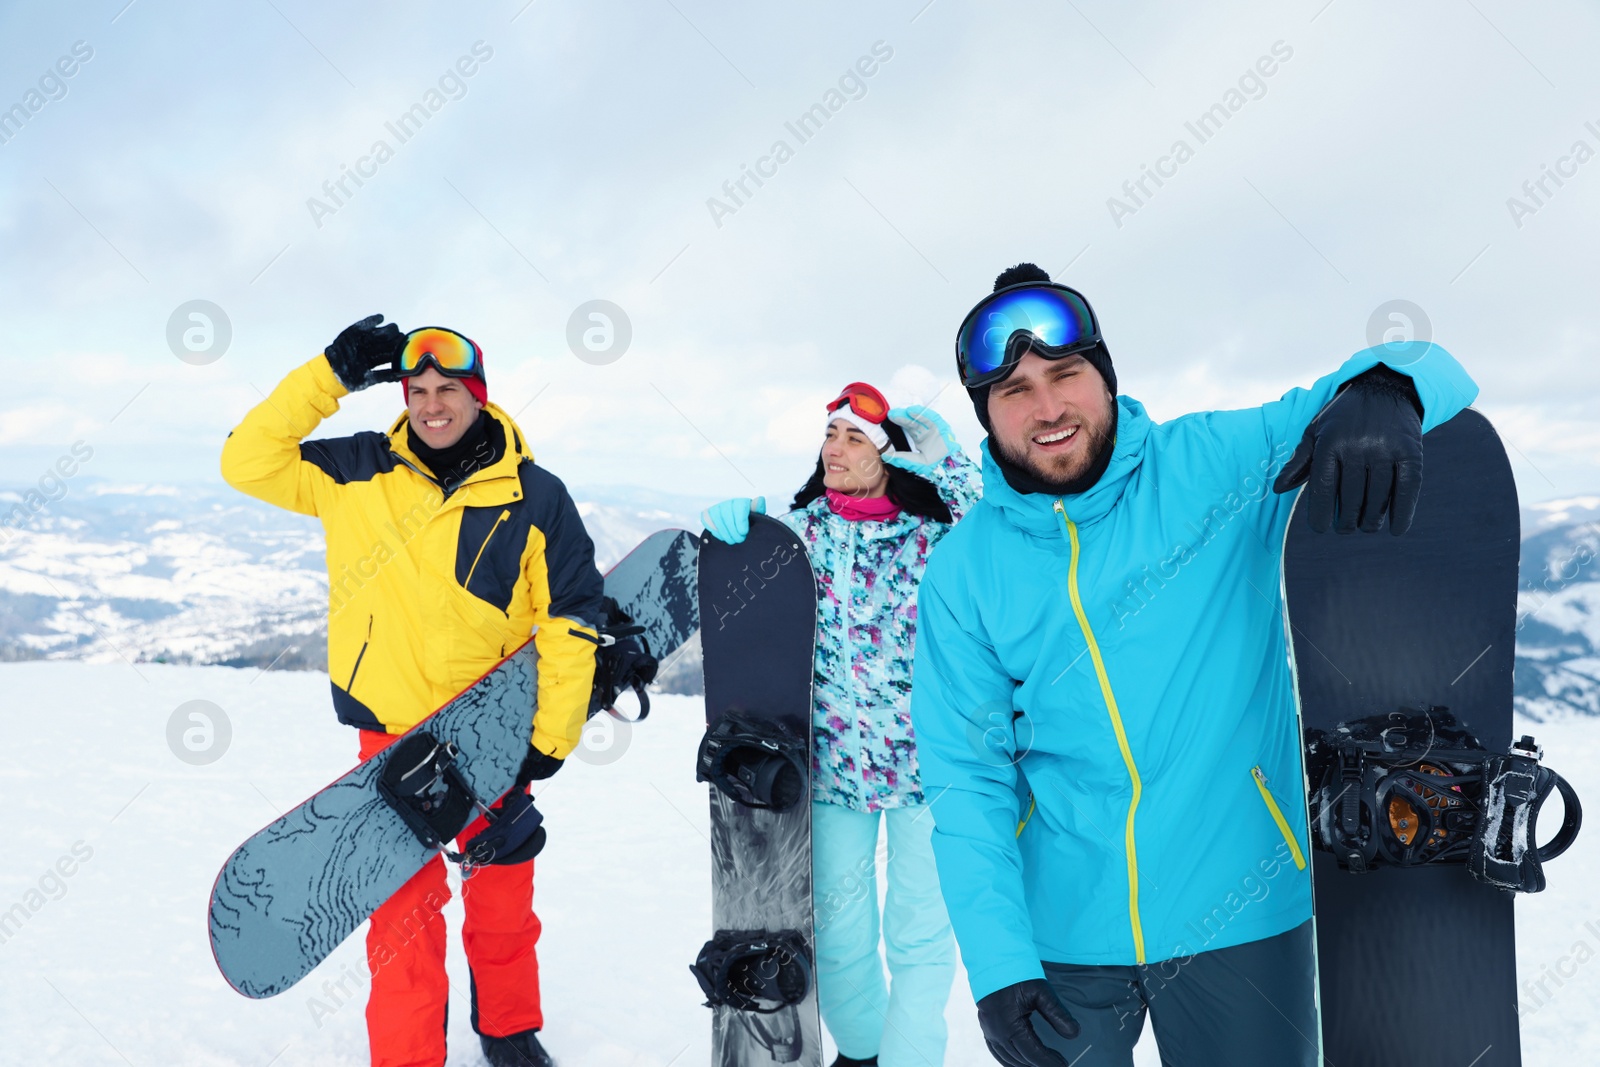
column 504, row 468
column 1035, row 512
column 864, row 529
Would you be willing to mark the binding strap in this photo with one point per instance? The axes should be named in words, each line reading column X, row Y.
column 1415, row 788
column 421, row 782
column 623, row 661
column 757, row 762
column 1506, row 853
column 754, row 971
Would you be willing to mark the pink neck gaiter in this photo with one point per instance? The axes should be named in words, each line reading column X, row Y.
column 855, row 508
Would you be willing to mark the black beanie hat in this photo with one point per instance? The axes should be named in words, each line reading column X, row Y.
column 1098, row 357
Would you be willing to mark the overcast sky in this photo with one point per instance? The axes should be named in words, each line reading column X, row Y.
column 1358, row 153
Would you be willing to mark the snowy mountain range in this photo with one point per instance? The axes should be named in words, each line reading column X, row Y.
column 150, row 573
column 1558, row 609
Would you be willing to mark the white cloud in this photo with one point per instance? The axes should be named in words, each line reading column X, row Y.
column 1376, row 165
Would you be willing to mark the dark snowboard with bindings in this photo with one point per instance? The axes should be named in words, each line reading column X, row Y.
column 1422, row 809
column 295, row 890
column 758, row 608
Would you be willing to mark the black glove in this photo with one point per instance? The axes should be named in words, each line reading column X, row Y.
column 360, row 349
column 1007, row 1030
column 1362, row 456
column 536, row 767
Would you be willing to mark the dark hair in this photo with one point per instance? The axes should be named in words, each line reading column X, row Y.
column 910, row 493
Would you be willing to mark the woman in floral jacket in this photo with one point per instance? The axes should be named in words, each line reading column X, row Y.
column 888, row 485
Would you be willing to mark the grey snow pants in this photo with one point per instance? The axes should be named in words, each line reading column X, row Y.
column 1250, row 1005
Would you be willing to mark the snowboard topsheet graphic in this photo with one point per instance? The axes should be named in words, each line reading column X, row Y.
column 290, row 894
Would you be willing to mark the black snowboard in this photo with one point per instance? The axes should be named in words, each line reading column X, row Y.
column 1418, row 965
column 758, row 615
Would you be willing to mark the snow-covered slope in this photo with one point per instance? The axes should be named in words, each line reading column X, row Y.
column 111, row 843
column 110, row 964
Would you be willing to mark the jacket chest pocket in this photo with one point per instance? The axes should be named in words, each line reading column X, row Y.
column 489, row 553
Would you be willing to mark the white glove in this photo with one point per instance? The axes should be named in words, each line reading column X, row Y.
column 929, row 436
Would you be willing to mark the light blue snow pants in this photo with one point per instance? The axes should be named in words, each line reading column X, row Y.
column 902, row 1024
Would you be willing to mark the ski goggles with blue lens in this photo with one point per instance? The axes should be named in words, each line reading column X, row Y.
column 1043, row 317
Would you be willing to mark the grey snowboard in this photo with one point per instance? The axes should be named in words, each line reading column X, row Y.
column 290, row 894
column 655, row 584
column 758, row 607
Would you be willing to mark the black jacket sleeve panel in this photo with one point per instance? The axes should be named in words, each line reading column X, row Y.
column 357, row 458
column 575, row 584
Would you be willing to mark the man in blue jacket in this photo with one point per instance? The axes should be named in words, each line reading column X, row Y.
column 1103, row 697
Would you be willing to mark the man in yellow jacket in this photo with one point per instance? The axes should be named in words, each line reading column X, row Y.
column 447, row 548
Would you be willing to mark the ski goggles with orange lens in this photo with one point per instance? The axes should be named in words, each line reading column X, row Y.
column 446, row 351
column 864, row 400
column 1043, row 317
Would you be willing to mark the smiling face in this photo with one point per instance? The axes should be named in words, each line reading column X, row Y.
column 1052, row 417
column 851, row 463
column 441, row 408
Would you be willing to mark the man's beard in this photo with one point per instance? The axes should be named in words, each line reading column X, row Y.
column 1079, row 474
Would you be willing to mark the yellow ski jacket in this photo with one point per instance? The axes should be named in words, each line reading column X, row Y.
column 428, row 591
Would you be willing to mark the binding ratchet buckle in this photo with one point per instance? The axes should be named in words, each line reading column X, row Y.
column 1416, row 787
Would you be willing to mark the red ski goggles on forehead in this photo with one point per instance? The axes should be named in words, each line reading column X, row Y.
column 448, row 352
column 864, row 400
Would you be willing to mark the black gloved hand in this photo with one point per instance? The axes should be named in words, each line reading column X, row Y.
column 1362, row 456
column 360, row 349
column 536, row 767
column 1004, row 1017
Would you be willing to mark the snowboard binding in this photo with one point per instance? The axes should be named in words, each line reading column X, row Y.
column 1416, row 787
column 759, row 763
column 765, row 978
column 754, row 971
column 420, row 781
column 622, row 661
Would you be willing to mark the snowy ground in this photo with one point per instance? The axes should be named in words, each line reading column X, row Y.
column 111, row 842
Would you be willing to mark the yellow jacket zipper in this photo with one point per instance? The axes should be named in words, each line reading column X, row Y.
column 1277, row 817
column 1033, row 802
column 351, row 684
column 1116, row 727
column 504, row 515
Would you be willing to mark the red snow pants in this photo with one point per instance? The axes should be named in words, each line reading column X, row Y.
column 409, row 1000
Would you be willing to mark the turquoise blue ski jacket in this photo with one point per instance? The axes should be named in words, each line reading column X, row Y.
column 1104, row 701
